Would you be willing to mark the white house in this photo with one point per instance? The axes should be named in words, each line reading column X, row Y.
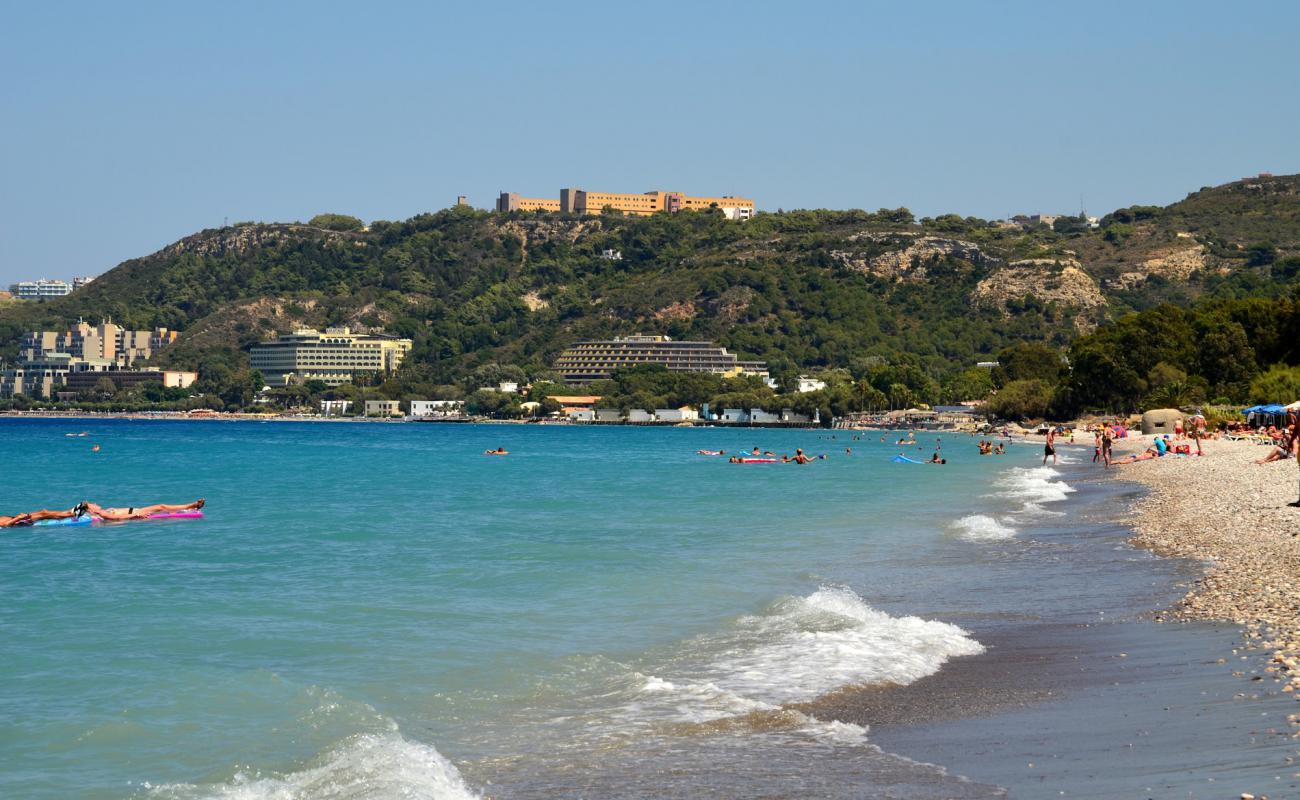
column 430, row 408
column 807, row 384
column 734, row 415
column 759, row 415
column 508, row 387
column 683, row 414
column 335, row 408
column 582, row 414
column 608, row 415
column 787, row 415
column 639, row 415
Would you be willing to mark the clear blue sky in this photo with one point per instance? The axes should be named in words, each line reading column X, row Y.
column 129, row 125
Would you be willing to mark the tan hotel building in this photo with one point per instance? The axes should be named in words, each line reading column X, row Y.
column 332, row 357
column 580, row 201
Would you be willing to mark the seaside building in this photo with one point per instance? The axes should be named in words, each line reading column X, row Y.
column 86, row 380
column 437, row 408
column 593, row 360
column 333, row 357
column 581, row 201
column 41, row 289
column 383, row 408
column 80, row 282
column 334, row 408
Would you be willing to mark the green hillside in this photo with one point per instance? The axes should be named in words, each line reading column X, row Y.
column 803, row 290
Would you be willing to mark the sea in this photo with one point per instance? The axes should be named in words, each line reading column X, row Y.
column 383, row 611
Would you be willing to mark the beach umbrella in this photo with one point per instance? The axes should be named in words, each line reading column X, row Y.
column 1293, row 407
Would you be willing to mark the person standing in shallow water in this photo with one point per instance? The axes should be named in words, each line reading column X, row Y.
column 1049, row 449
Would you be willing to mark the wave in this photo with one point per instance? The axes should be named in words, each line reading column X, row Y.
column 801, row 648
column 982, row 527
column 366, row 766
column 1033, row 486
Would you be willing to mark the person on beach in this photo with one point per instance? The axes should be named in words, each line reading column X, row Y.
column 1295, row 440
column 139, row 512
column 1096, row 446
column 1049, row 449
column 30, row 517
column 1107, row 444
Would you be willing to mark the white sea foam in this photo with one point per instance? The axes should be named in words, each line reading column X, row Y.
column 982, row 527
column 367, row 766
column 801, row 648
column 1033, row 486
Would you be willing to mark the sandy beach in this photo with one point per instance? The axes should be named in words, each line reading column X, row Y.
column 1233, row 514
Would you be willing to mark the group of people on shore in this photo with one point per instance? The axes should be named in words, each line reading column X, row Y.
column 98, row 512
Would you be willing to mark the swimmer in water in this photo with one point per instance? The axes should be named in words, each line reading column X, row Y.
column 799, row 457
column 500, row 451
column 139, row 512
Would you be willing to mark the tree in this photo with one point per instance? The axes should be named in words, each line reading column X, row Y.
column 1280, row 384
column 1027, row 361
column 1261, row 254
column 1022, row 399
column 105, row 387
column 336, row 222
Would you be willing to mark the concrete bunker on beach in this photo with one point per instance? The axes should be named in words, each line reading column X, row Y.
column 1161, row 420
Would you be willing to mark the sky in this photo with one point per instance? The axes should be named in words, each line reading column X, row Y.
column 127, row 126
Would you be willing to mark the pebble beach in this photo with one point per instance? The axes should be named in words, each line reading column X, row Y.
column 1232, row 514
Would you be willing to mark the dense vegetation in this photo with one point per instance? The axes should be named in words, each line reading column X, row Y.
column 892, row 311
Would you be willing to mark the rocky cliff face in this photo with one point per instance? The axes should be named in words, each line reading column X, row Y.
column 242, row 238
column 1063, row 282
column 533, row 232
column 908, row 262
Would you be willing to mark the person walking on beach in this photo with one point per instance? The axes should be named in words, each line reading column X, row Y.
column 1295, row 442
column 1050, row 448
column 1107, row 442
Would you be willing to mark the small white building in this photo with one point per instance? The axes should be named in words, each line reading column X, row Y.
column 759, row 415
column 640, row 415
column 734, row 415
column 436, row 408
column 508, row 387
column 612, row 255
column 608, row 415
column 383, row 408
column 335, row 408
column 582, row 414
column 683, row 414
column 807, row 384
column 787, row 415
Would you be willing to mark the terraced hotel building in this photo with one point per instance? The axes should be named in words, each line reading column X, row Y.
column 580, row 201
column 332, row 357
column 595, row 360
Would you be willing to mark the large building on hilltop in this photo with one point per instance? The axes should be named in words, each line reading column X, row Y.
column 581, row 201
column 333, row 357
column 595, row 360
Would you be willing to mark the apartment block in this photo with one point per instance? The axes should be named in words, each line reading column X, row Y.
column 580, row 201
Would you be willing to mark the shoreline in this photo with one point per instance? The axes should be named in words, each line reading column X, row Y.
column 1231, row 515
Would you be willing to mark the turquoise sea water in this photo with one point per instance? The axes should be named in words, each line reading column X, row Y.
column 380, row 610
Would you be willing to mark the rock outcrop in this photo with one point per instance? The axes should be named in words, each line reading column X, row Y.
column 242, row 238
column 909, row 262
column 1063, row 282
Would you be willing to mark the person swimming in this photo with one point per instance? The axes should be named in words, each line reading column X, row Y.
column 500, row 451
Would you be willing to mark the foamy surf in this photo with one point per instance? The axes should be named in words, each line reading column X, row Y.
column 1033, row 486
column 801, row 648
column 364, row 767
column 983, row 527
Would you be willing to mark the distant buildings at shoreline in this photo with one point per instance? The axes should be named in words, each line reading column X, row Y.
column 333, row 357
column 581, row 201
column 79, row 357
column 594, row 360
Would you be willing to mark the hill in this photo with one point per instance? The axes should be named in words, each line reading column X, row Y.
column 803, row 290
